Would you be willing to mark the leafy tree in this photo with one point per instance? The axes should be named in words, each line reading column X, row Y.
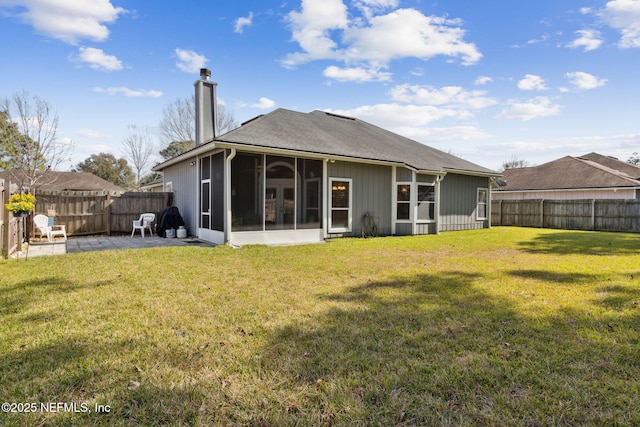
column 28, row 132
column 175, row 148
column 148, row 179
column 8, row 135
column 634, row 159
column 109, row 168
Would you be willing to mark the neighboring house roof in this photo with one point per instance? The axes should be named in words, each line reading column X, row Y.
column 63, row 181
column 156, row 183
column 322, row 133
column 589, row 171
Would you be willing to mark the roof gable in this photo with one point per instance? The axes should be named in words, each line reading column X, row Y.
column 329, row 134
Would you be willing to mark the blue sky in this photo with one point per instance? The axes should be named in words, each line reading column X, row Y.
column 484, row 80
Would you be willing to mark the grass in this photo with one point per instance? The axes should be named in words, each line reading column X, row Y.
column 506, row 326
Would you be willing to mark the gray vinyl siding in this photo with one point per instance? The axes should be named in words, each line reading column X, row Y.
column 458, row 202
column 184, row 179
column 371, row 193
column 429, row 228
column 403, row 229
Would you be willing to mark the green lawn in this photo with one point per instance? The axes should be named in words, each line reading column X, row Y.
column 506, row 326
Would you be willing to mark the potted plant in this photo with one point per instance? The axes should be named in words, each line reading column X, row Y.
column 21, row 204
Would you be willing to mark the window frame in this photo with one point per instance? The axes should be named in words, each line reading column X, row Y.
column 408, row 202
column 485, row 203
column 331, row 208
column 426, row 202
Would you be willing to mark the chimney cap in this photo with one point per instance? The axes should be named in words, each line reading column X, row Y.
column 205, row 73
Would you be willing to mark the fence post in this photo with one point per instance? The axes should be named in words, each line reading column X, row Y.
column 5, row 232
column 542, row 213
column 108, row 213
column 593, row 214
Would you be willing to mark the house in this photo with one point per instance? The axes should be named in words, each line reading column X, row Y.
column 289, row 177
column 155, row 186
column 592, row 176
column 52, row 181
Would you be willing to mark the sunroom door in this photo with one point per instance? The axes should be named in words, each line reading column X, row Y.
column 279, row 205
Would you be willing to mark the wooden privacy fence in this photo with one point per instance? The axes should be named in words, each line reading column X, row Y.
column 11, row 228
column 99, row 212
column 589, row 214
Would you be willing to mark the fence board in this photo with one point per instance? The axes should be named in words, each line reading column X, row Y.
column 99, row 212
column 11, row 228
column 586, row 214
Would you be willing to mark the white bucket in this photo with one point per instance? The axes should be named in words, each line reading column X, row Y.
column 170, row 232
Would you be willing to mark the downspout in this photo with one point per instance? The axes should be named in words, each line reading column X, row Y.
column 227, row 178
column 394, row 200
column 439, row 179
column 325, row 199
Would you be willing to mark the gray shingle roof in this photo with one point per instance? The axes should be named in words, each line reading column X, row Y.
column 328, row 134
column 589, row 171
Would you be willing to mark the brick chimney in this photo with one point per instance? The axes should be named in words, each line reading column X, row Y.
column 206, row 108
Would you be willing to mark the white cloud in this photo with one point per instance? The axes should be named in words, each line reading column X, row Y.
column 357, row 74
column 370, row 7
column 589, row 40
column 311, row 28
column 412, row 121
column 394, row 115
column 129, row 93
column 543, row 38
column 482, row 80
column 65, row 20
column 408, row 33
column 585, row 81
column 532, row 82
column 263, row 104
column 449, row 96
column 325, row 29
column 624, row 16
column 190, row 61
column 89, row 133
column 97, row 59
column 530, row 109
column 444, row 134
column 242, row 22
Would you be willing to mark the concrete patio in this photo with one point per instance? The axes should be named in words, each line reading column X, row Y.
column 100, row 243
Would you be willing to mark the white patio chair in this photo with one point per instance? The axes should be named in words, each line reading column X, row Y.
column 41, row 223
column 144, row 222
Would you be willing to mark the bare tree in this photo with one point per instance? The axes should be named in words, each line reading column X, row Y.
column 138, row 148
column 179, row 120
column 30, row 143
column 514, row 163
column 226, row 121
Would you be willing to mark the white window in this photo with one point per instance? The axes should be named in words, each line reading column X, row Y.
column 426, row 202
column 483, row 197
column 340, row 217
